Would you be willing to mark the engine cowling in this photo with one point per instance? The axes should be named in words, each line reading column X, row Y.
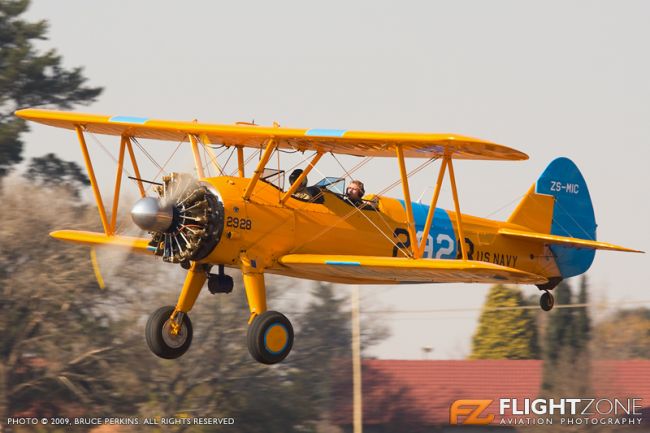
column 186, row 220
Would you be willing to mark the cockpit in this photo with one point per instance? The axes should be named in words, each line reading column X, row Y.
column 331, row 186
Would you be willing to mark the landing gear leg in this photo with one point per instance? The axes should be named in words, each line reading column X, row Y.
column 546, row 301
column 169, row 329
column 270, row 334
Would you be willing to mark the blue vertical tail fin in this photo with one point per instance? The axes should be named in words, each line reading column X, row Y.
column 569, row 213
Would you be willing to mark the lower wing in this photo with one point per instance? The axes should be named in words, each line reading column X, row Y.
column 390, row 270
column 138, row 245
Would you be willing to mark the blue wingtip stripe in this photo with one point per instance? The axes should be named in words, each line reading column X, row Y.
column 128, row 119
column 339, row 263
column 325, row 132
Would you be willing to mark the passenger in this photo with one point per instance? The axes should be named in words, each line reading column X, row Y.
column 355, row 192
column 302, row 192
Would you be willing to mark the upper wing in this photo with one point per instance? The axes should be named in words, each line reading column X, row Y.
column 386, row 270
column 360, row 143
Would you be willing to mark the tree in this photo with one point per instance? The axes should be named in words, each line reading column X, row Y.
column 321, row 361
column 30, row 78
column 49, row 170
column 559, row 332
column 217, row 375
column 567, row 361
column 325, row 344
column 582, row 325
column 59, row 354
column 71, row 349
column 507, row 333
column 623, row 335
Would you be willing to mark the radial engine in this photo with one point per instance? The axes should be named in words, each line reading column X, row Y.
column 185, row 221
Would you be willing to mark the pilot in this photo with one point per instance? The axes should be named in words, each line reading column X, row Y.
column 302, row 192
column 354, row 192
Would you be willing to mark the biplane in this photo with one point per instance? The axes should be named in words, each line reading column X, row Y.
column 254, row 224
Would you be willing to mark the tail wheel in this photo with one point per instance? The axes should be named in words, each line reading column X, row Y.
column 270, row 337
column 160, row 338
column 546, row 301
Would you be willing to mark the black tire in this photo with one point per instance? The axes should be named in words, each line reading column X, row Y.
column 546, row 301
column 160, row 342
column 270, row 337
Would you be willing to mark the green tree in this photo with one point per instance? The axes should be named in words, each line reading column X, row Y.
column 569, row 329
column 324, row 346
column 71, row 349
column 51, row 171
column 582, row 325
column 505, row 333
column 217, row 376
column 59, row 348
column 30, row 78
column 567, row 360
column 559, row 332
column 623, row 335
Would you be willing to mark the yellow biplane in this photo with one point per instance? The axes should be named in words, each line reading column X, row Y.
column 255, row 225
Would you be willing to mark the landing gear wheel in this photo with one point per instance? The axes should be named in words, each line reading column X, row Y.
column 160, row 339
column 546, row 301
column 270, row 337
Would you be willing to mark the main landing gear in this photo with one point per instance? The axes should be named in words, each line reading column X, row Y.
column 270, row 337
column 168, row 333
column 169, row 329
column 270, row 334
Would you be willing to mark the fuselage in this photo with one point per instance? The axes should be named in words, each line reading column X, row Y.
column 262, row 230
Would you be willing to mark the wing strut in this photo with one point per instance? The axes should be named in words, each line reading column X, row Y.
column 125, row 144
column 240, row 161
column 270, row 147
column 197, row 156
column 136, row 169
column 459, row 221
column 118, row 184
column 417, row 250
column 407, row 201
column 432, row 208
column 302, row 176
column 93, row 180
column 205, row 142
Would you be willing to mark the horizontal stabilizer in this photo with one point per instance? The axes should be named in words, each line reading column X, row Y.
column 387, row 270
column 565, row 241
column 137, row 245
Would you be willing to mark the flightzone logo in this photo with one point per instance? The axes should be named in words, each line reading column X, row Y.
column 472, row 410
column 541, row 411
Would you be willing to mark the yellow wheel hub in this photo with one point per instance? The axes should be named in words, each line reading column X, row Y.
column 275, row 338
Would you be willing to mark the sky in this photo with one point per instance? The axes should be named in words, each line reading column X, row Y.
column 550, row 78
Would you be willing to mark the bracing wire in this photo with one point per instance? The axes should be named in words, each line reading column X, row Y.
column 144, row 151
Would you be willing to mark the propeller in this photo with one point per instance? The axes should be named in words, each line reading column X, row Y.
column 185, row 220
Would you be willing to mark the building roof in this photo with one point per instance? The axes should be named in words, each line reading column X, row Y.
column 423, row 391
